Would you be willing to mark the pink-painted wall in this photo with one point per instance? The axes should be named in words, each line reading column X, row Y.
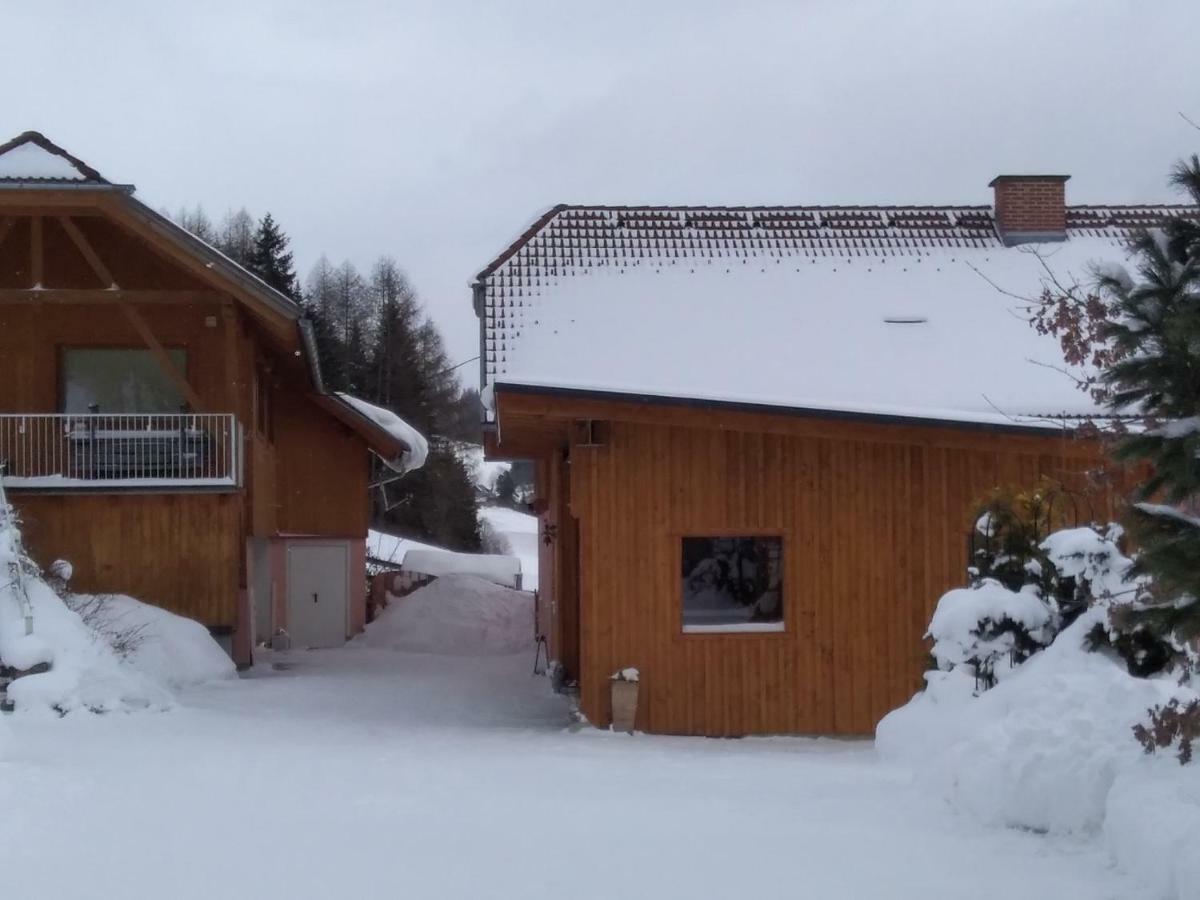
column 356, row 587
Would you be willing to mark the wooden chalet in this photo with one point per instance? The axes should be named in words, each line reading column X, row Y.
column 163, row 424
column 760, row 434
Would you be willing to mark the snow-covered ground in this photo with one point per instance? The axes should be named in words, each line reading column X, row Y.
column 369, row 772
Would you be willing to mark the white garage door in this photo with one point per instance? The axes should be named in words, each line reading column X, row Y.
column 317, row 595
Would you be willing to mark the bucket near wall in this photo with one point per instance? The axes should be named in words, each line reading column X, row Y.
column 624, row 690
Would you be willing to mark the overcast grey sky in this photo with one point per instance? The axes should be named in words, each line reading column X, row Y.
column 434, row 131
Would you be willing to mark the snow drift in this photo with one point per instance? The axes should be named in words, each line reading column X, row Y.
column 162, row 651
column 457, row 615
column 1042, row 749
column 1050, row 747
column 175, row 651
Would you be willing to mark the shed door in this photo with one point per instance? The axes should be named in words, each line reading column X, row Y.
column 317, row 595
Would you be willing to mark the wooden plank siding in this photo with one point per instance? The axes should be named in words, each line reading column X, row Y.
column 177, row 551
column 322, row 470
column 874, row 532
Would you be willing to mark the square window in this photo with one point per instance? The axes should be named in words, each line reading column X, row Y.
column 732, row 583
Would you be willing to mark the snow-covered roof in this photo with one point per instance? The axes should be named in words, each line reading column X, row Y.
column 30, row 158
column 411, row 443
column 897, row 311
column 494, row 567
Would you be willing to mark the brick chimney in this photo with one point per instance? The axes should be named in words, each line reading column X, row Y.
column 1030, row 208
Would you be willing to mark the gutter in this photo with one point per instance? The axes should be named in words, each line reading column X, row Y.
column 308, row 340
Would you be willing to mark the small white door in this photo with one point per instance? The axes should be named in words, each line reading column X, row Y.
column 317, row 595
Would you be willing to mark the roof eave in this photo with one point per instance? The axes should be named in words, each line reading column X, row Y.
column 1047, row 424
column 381, row 442
column 50, row 184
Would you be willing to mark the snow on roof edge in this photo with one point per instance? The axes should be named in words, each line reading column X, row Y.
column 418, row 447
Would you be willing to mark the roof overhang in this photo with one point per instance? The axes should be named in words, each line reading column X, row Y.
column 381, row 442
column 534, row 421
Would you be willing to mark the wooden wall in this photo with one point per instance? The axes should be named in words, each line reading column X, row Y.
column 177, row 551
column 874, row 532
column 32, row 336
column 321, row 472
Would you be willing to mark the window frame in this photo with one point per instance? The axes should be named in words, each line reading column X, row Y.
column 744, row 631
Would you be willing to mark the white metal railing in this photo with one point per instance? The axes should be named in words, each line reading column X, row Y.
column 111, row 450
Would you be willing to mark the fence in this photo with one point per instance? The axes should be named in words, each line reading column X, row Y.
column 69, row 451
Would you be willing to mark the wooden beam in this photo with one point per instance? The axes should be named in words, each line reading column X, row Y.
column 88, row 252
column 33, row 199
column 164, row 359
column 6, row 225
column 36, row 252
column 93, row 295
column 25, row 209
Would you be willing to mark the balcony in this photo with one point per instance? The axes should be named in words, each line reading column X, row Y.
column 120, row 451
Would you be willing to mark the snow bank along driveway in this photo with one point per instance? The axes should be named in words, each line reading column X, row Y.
column 369, row 772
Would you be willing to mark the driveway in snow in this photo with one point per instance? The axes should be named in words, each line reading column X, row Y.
column 369, row 773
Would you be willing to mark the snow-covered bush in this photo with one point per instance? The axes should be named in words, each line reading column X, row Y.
column 988, row 629
column 1024, row 588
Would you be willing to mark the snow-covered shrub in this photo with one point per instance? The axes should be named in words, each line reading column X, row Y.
column 988, row 629
column 1024, row 587
column 92, row 608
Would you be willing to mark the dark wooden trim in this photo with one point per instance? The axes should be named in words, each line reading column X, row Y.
column 6, row 227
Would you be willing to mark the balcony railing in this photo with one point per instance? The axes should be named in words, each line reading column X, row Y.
column 98, row 451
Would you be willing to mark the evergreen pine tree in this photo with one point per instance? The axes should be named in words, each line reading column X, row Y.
column 1156, row 336
column 271, row 260
column 437, row 502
